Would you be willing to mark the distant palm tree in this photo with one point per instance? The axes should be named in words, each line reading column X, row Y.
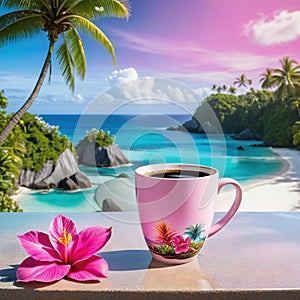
column 232, row 90
column 219, row 89
column 242, row 81
column 267, row 80
column 286, row 78
column 214, row 87
column 224, row 88
column 58, row 18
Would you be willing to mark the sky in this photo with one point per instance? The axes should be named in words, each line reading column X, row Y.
column 185, row 45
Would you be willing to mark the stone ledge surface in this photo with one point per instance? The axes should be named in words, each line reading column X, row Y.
column 256, row 256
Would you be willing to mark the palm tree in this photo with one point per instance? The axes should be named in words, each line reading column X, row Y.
column 59, row 18
column 232, row 90
column 214, row 87
column 242, row 81
column 194, row 232
column 219, row 89
column 287, row 78
column 267, row 80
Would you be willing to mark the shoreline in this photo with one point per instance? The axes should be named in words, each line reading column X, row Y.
column 277, row 192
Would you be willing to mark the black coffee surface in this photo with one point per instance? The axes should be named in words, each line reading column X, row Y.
column 177, row 174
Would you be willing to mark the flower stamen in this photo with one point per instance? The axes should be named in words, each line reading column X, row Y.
column 66, row 238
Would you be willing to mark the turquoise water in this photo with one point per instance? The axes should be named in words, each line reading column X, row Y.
column 144, row 140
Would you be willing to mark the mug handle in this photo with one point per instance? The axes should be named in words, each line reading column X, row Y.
column 236, row 203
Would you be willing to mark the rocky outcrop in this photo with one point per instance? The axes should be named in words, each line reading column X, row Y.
column 246, row 135
column 109, row 205
column 106, row 156
column 194, row 127
column 29, row 178
column 63, row 174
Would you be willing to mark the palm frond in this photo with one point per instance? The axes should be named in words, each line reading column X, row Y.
column 26, row 4
column 18, row 25
column 66, row 63
column 93, row 31
column 77, row 50
column 101, row 8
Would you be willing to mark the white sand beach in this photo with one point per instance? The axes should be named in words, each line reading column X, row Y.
column 279, row 193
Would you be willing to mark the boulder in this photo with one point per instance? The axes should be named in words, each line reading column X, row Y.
column 81, row 180
column 240, row 148
column 41, row 186
column 64, row 174
column 109, row 205
column 65, row 167
column 191, row 126
column 30, row 178
column 246, row 135
column 123, row 175
column 194, row 127
column 261, row 145
column 106, row 156
column 68, row 184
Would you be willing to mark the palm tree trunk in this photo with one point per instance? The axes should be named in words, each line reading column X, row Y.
column 18, row 115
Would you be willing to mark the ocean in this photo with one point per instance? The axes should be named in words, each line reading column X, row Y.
column 145, row 140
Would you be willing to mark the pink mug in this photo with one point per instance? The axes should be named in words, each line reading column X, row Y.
column 176, row 208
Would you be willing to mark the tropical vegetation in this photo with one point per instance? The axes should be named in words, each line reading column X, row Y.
column 169, row 244
column 99, row 138
column 9, row 173
column 63, row 21
column 271, row 113
column 31, row 143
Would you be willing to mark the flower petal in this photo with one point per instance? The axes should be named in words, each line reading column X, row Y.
column 90, row 241
column 56, row 231
column 42, row 271
column 37, row 245
column 93, row 268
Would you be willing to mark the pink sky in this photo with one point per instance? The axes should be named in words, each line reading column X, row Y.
column 206, row 41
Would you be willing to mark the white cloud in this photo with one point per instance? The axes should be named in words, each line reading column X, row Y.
column 283, row 27
column 204, row 92
column 123, row 75
column 145, row 91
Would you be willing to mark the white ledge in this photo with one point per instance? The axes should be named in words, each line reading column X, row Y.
column 256, row 256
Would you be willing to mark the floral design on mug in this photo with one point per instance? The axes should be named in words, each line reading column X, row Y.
column 170, row 244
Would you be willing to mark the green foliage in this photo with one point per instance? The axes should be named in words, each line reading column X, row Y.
column 9, row 173
column 296, row 133
column 100, row 138
column 223, row 105
column 165, row 249
column 278, row 122
column 42, row 142
column 3, row 100
column 260, row 111
column 104, row 139
column 29, row 146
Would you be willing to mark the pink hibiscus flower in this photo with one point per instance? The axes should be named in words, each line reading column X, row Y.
column 180, row 244
column 63, row 253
